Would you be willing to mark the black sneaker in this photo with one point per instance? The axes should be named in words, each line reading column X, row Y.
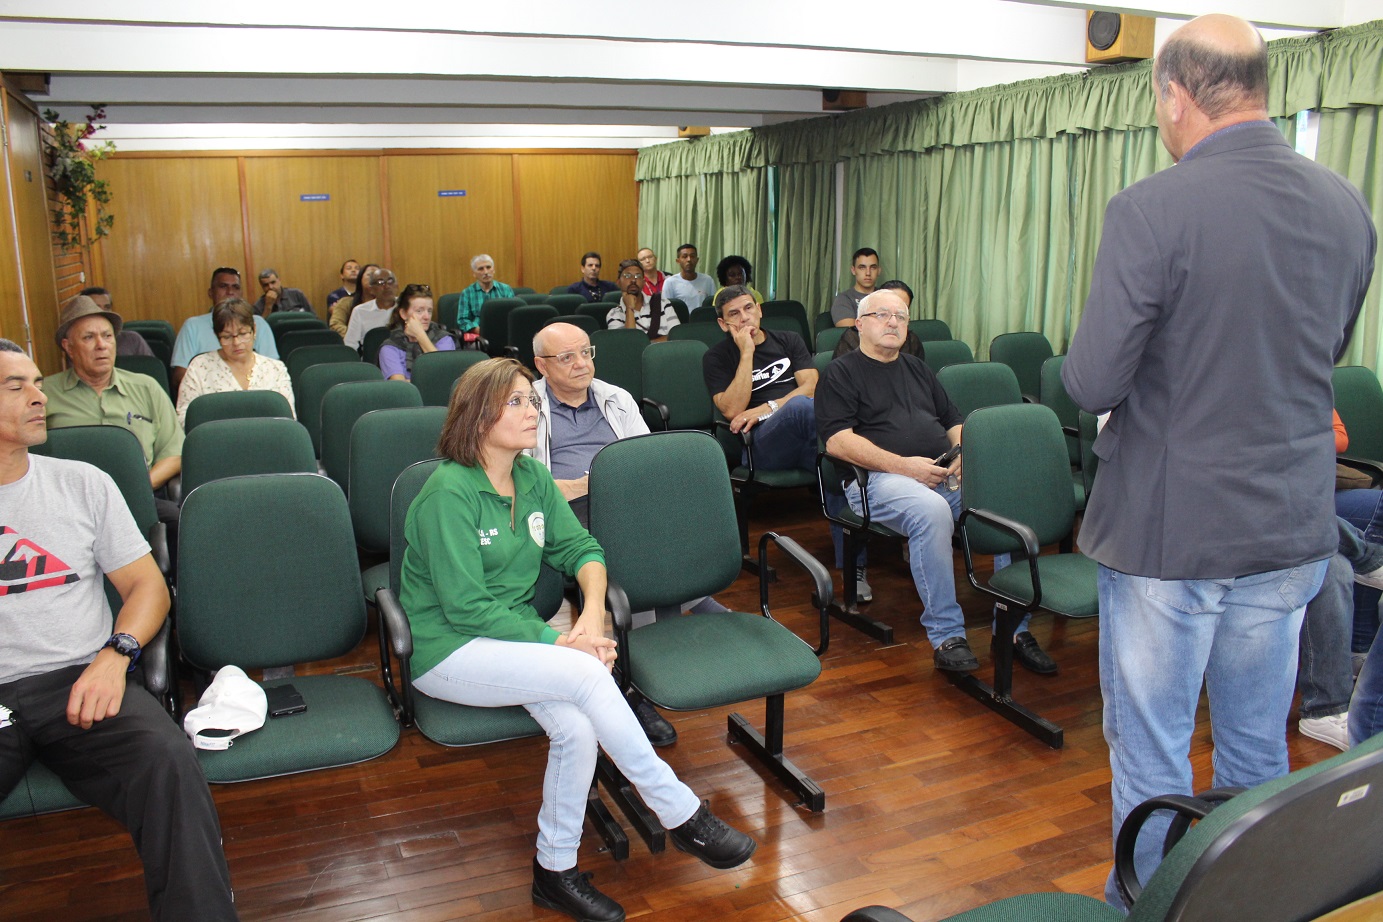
column 573, row 893
column 1031, row 656
column 707, row 837
column 655, row 726
column 954, row 656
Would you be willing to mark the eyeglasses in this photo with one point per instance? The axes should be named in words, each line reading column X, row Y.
column 236, row 337
column 566, row 358
column 631, row 275
column 886, row 316
column 518, row 400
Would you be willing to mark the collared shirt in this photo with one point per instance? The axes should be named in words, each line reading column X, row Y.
column 197, row 336
column 614, row 317
column 364, row 318
column 473, row 299
column 337, row 295
column 592, row 293
column 577, row 434
column 290, row 299
column 132, row 401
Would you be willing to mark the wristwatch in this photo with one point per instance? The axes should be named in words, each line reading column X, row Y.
column 125, row 645
column 772, row 407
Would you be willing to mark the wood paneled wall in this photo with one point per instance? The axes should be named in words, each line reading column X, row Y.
column 180, row 215
column 31, row 231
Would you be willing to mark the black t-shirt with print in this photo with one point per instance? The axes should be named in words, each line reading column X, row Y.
column 900, row 406
column 776, row 362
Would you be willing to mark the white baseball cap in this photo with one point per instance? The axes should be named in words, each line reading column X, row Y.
column 232, row 705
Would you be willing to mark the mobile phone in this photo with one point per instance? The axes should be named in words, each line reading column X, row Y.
column 284, row 700
column 950, row 455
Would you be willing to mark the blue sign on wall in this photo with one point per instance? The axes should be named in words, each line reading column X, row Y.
column 450, row 193
column 315, row 197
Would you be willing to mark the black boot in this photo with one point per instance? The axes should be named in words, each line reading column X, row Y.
column 707, row 837
column 571, row 892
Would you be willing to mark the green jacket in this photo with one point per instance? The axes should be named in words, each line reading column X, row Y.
column 467, row 574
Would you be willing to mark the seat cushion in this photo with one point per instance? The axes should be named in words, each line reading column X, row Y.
column 348, row 720
column 1054, row 907
column 780, row 480
column 460, row 725
column 39, row 791
column 1068, row 583
column 689, row 662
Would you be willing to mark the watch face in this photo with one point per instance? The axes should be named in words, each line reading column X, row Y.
column 124, row 644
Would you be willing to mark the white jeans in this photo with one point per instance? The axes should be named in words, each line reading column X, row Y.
column 572, row 697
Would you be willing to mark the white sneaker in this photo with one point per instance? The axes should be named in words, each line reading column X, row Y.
column 1372, row 578
column 1332, row 730
column 863, row 591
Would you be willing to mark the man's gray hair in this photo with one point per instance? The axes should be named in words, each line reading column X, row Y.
column 482, row 258
column 8, row 345
column 728, row 294
column 265, row 273
column 1219, row 81
column 863, row 306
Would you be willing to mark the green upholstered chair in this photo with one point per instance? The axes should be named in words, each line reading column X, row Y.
column 670, row 489
column 584, row 321
column 446, row 309
column 383, row 443
column 559, row 290
column 435, row 373
column 235, row 447
column 236, row 405
column 1359, row 401
column 444, row 722
column 783, row 325
column 619, row 358
column 494, row 322
column 521, row 290
column 708, row 333
column 369, row 345
column 568, row 303
column 748, row 480
column 233, row 609
column 531, row 297
column 596, row 312
column 979, row 384
column 304, row 358
column 822, row 323
column 930, row 330
column 611, row 297
column 524, row 323
column 346, row 403
column 674, row 386
column 1291, row 849
column 1018, row 500
column 150, row 365
column 792, row 310
column 679, row 307
column 160, row 329
column 829, row 338
column 1024, row 353
column 293, row 320
column 289, row 341
column 942, row 353
column 703, row 314
column 313, row 384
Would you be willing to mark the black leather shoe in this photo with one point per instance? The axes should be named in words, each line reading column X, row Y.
column 1031, row 656
column 706, row 836
column 955, row 656
column 572, row 892
column 655, row 726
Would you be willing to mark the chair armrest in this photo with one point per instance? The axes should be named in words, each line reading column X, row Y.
column 822, row 595
column 511, row 352
column 617, row 600
column 158, row 671
column 861, row 477
column 174, row 488
column 746, row 439
column 1072, row 431
column 1373, row 468
column 158, row 545
column 660, row 408
column 396, row 637
column 1030, row 550
column 1184, row 809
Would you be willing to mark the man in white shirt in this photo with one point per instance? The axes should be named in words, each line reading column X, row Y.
column 649, row 314
column 374, row 313
column 690, row 287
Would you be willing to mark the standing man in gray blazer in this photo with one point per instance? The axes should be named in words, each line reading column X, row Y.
column 1223, row 292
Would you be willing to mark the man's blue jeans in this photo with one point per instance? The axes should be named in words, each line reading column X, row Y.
column 1364, row 510
column 1159, row 639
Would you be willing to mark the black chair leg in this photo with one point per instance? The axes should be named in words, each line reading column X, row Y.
column 644, row 821
column 999, row 697
column 605, row 825
column 768, row 750
column 848, row 612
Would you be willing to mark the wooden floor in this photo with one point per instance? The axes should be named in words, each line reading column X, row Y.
column 933, row 804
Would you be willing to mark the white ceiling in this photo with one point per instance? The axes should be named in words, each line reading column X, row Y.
column 255, row 74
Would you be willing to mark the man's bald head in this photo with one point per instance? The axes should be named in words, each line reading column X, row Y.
column 1222, row 63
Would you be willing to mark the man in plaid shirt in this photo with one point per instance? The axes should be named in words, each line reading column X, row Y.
column 484, row 288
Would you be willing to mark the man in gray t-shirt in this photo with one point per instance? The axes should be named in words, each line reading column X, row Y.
column 64, row 699
column 864, row 267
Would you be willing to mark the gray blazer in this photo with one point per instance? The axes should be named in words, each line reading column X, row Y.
column 1224, row 290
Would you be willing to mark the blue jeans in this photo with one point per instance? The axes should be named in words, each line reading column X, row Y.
column 576, row 701
column 1325, row 669
column 927, row 516
column 1364, row 510
column 1366, row 707
column 1159, row 639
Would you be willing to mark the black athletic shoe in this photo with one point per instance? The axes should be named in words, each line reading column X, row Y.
column 655, row 726
column 573, row 893
column 707, row 837
column 955, row 656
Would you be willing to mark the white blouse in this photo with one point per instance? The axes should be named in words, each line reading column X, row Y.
column 208, row 373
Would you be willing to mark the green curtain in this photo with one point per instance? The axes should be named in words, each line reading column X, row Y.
column 732, row 218
column 806, row 233
column 1349, row 142
column 666, row 215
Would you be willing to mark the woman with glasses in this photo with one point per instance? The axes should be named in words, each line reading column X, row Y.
column 411, row 334
column 235, row 366
column 478, row 531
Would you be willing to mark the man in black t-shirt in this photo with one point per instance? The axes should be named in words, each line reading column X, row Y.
column 884, row 410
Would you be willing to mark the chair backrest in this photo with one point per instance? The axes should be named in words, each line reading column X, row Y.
column 150, row 365
column 1053, row 394
column 827, row 339
column 346, row 403
column 703, row 314
column 494, row 322
column 930, row 330
column 946, row 352
column 1016, row 466
column 162, row 350
column 369, row 345
column 235, row 405
column 446, row 309
column 161, row 329
column 313, row 384
column 531, row 297
column 645, row 492
column 979, row 384
column 1024, row 353
column 707, row 333
column 793, row 310
column 293, row 319
column 525, row 321
column 435, row 373
column 559, row 290
column 820, row 360
column 611, row 297
column 307, row 356
column 619, row 358
column 567, row 303
column 298, row 338
column 596, row 312
column 116, row 451
column 267, row 573
column 383, row 443
column 521, row 290
column 236, row 447
column 584, row 321
column 1359, row 401
column 672, row 375
column 823, row 321
column 783, row 325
